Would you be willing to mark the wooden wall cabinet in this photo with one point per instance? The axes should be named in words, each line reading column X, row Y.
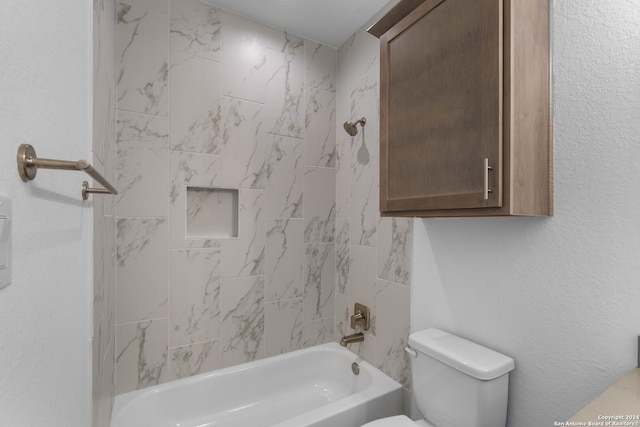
column 465, row 124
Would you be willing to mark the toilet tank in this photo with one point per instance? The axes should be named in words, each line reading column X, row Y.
column 458, row 383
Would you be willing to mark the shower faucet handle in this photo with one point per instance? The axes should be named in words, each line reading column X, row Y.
column 361, row 317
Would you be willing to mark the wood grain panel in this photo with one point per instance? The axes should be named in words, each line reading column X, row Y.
column 531, row 189
column 444, row 105
column 440, row 52
column 395, row 15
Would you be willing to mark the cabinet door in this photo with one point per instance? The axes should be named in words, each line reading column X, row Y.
column 441, row 107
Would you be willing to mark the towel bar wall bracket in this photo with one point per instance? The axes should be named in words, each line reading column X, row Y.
column 29, row 163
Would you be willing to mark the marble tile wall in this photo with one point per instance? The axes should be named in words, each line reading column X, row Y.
column 104, row 214
column 372, row 254
column 207, row 98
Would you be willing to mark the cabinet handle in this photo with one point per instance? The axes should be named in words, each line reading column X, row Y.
column 487, row 168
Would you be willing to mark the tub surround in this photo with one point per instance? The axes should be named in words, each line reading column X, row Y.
column 207, row 98
column 372, row 254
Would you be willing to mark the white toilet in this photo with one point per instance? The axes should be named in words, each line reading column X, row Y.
column 456, row 383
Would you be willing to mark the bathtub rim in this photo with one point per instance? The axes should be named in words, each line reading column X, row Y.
column 381, row 383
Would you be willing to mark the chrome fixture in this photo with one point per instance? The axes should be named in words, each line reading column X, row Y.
column 28, row 164
column 487, row 169
column 361, row 317
column 348, row 339
column 352, row 127
column 355, row 368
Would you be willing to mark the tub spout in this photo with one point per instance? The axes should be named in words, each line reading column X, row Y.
column 359, row 337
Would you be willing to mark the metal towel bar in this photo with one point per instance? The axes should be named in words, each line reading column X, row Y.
column 28, row 164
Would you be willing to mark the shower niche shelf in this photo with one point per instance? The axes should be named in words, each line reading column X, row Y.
column 212, row 213
column 465, row 116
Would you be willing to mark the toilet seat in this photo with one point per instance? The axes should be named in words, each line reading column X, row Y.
column 397, row 421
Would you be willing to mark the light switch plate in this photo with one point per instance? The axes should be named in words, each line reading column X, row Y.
column 5, row 242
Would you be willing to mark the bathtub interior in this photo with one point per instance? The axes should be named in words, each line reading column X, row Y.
column 265, row 392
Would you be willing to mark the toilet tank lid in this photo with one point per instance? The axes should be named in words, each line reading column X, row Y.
column 461, row 354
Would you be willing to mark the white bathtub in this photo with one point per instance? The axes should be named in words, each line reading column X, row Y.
column 311, row 387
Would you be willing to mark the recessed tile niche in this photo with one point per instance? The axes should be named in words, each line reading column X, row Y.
column 212, row 213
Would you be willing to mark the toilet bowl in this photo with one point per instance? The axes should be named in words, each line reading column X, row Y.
column 456, row 383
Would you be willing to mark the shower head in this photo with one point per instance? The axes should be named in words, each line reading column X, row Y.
column 352, row 127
